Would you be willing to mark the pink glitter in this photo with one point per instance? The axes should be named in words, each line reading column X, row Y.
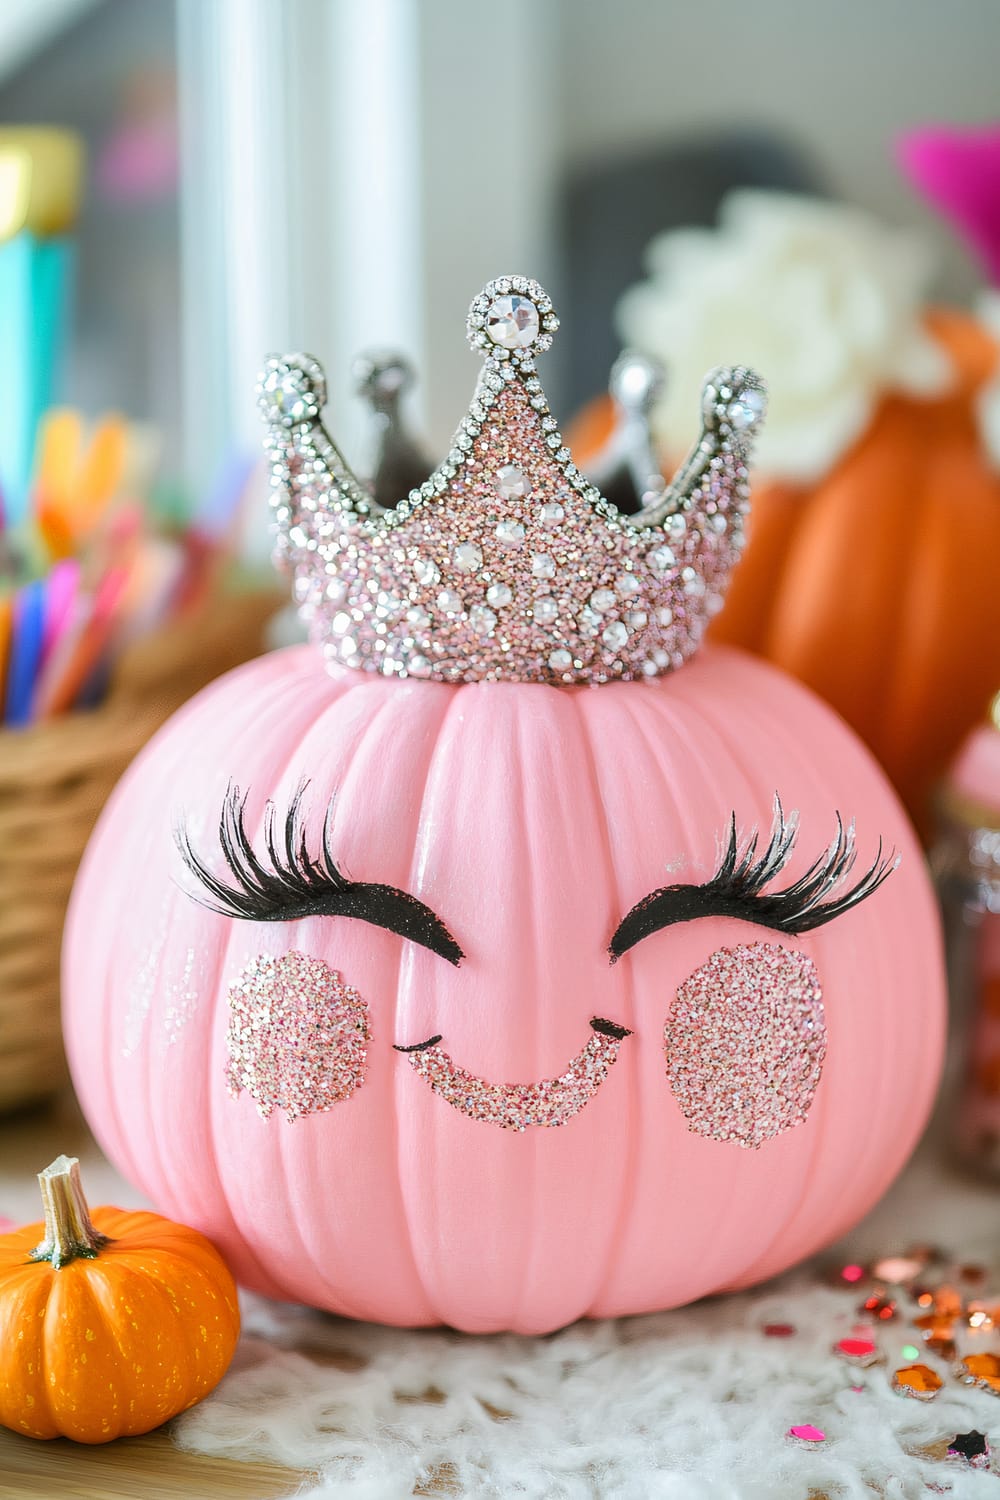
column 298, row 1035
column 515, row 1106
column 745, row 1042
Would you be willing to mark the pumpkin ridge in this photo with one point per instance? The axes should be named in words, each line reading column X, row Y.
column 371, row 728
column 630, row 1160
column 449, row 704
column 819, row 1110
column 71, row 1297
column 335, row 689
column 702, row 729
column 20, row 1313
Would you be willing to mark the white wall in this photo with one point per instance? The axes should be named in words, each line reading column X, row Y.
column 842, row 77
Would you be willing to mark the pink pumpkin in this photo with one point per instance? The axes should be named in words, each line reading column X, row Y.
column 481, row 1004
column 530, row 819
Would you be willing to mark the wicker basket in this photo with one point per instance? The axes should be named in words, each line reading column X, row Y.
column 54, row 779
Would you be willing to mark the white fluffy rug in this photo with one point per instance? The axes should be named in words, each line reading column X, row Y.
column 682, row 1406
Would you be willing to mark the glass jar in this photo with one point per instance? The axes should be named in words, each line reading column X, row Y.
column 966, row 865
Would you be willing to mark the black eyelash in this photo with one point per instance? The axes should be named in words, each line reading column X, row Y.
column 292, row 884
column 737, row 887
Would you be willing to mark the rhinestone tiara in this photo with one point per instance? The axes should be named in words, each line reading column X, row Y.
column 507, row 563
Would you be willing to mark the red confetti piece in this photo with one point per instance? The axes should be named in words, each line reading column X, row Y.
column 779, row 1330
column 879, row 1306
column 858, row 1351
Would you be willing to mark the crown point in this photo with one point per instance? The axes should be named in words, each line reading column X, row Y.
column 291, row 391
column 735, row 400
column 512, row 317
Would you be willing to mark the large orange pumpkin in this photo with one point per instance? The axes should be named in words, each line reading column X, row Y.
column 880, row 585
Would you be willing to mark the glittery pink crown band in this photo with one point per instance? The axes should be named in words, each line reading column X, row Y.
column 507, row 563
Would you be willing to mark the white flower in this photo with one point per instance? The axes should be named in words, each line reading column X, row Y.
column 822, row 300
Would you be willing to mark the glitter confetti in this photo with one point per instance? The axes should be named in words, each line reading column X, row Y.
column 982, row 1370
column 858, row 1351
column 879, row 1306
column 971, row 1448
column 947, row 1302
column 515, row 1106
column 849, row 1275
column 981, row 1317
column 298, row 1035
column 918, row 1381
column 897, row 1269
column 806, row 1433
column 910, row 1351
column 745, row 1042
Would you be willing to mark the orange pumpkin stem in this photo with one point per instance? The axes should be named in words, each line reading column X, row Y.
column 69, row 1231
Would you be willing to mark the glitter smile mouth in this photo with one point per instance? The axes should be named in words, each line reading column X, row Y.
column 515, row 1106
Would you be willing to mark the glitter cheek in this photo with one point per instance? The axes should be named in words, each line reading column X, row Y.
column 298, row 1035
column 515, row 1106
column 745, row 1041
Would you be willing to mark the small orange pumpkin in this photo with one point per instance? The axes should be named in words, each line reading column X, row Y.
column 879, row 586
column 108, row 1326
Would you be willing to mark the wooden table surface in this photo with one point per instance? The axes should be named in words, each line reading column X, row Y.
column 146, row 1468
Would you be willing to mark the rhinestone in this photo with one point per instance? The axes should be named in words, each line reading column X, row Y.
column 543, row 566
column 512, row 322
column 662, row 558
column 665, row 616
column 676, row 527
column 482, row 619
column 636, row 619
column 425, row 572
column 419, row 666
column 694, row 584
column 467, row 557
column 449, row 601
column 747, row 410
column 418, row 618
column 615, row 635
column 341, row 622
column 498, row 594
column 348, row 646
column 627, row 584
column 510, row 533
column 552, row 513
column 545, row 610
column 290, row 395
column 717, row 523
column 602, row 600
column 560, row 660
column 511, row 483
